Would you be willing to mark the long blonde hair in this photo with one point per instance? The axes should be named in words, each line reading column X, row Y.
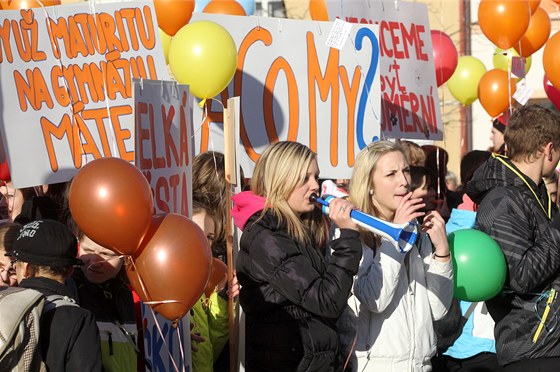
column 282, row 168
column 361, row 182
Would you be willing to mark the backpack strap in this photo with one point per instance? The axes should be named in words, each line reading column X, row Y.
column 54, row 301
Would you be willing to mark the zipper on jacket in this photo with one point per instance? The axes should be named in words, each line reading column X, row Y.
column 411, row 306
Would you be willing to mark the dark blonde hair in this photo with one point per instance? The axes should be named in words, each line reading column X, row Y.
column 279, row 171
column 414, row 153
column 529, row 129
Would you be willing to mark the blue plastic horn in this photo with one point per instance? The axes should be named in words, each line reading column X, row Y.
column 402, row 236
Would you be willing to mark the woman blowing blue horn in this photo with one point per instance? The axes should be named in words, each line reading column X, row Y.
column 290, row 295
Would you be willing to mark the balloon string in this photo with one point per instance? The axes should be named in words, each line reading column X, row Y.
column 181, row 351
column 165, row 342
column 130, row 261
column 214, row 99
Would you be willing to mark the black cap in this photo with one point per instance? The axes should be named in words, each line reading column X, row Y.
column 46, row 243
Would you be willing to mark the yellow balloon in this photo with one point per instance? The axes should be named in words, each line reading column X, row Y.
column 463, row 84
column 165, row 43
column 502, row 60
column 203, row 55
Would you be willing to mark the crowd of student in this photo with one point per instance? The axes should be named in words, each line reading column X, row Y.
column 109, row 332
column 320, row 292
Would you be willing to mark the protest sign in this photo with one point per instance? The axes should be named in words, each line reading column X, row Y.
column 164, row 153
column 164, row 147
column 410, row 101
column 294, row 87
column 66, row 84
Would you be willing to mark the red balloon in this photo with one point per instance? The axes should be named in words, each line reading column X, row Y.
column 318, row 10
column 230, row 7
column 493, row 91
column 445, row 56
column 504, row 22
column 552, row 93
column 173, row 14
column 537, row 34
column 172, row 265
column 551, row 56
column 5, row 172
column 112, row 203
column 218, row 277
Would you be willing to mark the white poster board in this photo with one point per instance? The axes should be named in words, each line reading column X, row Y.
column 164, row 153
column 410, row 101
column 66, row 84
column 294, row 87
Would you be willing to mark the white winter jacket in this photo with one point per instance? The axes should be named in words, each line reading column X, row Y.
column 398, row 297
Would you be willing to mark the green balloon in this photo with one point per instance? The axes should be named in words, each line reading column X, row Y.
column 479, row 266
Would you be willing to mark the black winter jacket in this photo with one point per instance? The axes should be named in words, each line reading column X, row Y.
column 511, row 213
column 68, row 336
column 291, row 297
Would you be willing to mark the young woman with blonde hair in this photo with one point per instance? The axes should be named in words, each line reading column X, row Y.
column 399, row 294
column 290, row 295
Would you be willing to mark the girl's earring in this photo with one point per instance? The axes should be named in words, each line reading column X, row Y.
column 371, row 191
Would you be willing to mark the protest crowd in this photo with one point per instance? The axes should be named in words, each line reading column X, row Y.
column 319, row 291
column 164, row 256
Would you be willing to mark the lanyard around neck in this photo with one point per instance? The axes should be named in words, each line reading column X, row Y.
column 501, row 159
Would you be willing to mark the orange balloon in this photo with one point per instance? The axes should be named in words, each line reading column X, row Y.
column 504, row 22
column 111, row 202
column 218, row 277
column 534, row 5
column 318, row 10
column 172, row 267
column 493, row 91
column 173, row 14
column 537, row 34
column 229, row 7
column 26, row 4
column 551, row 56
